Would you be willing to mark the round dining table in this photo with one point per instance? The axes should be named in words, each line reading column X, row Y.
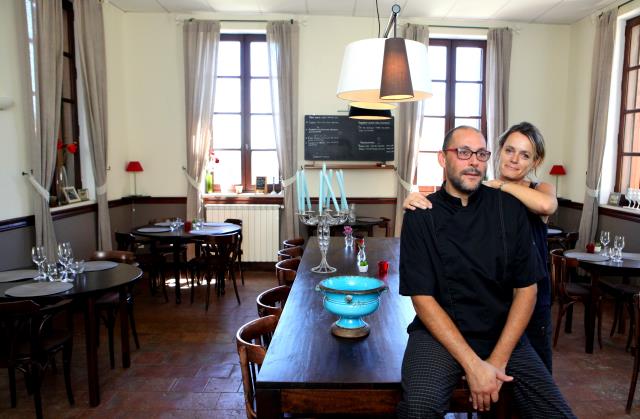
column 162, row 233
column 86, row 288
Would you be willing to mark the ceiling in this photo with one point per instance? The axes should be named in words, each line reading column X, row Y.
column 530, row 11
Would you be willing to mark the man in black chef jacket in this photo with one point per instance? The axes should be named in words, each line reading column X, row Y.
column 469, row 266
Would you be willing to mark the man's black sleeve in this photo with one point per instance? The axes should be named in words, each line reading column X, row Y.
column 417, row 270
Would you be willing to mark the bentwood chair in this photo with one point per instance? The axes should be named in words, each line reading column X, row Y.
column 150, row 262
column 290, row 252
column 30, row 337
column 238, row 260
column 252, row 341
column 215, row 261
column 297, row 241
column 108, row 304
column 272, row 301
column 286, row 271
column 636, row 356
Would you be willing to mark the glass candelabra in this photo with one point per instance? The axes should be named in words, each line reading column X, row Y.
column 323, row 222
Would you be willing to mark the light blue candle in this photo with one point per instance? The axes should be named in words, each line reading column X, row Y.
column 306, row 190
column 343, row 195
column 330, row 182
column 331, row 194
column 320, row 195
column 298, row 196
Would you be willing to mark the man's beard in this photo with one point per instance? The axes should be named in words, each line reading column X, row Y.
column 458, row 183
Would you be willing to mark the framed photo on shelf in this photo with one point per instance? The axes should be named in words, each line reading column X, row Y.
column 71, row 194
column 83, row 194
column 261, row 184
column 614, row 198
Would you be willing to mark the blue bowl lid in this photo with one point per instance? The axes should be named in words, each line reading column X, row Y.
column 352, row 285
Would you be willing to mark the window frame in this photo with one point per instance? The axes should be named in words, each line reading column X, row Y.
column 626, row 70
column 450, row 90
column 245, row 108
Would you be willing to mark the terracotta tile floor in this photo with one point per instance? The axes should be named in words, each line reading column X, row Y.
column 187, row 366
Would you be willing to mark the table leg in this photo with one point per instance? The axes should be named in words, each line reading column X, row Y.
column 268, row 403
column 91, row 333
column 590, row 315
column 124, row 329
column 176, row 269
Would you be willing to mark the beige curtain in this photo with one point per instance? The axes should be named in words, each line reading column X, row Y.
column 201, row 42
column 92, row 77
column 44, row 120
column 598, row 113
column 498, row 64
column 409, row 126
column 282, row 41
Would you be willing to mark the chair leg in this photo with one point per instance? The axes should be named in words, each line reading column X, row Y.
column 206, row 303
column 556, row 332
column 12, row 386
column 163, row 283
column 66, row 367
column 616, row 317
column 240, row 268
column 599, row 315
column 634, row 380
column 235, row 286
column 569, row 321
column 632, row 325
column 36, row 381
column 132, row 323
column 111, row 321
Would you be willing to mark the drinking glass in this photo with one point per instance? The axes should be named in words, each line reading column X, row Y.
column 604, row 239
column 39, row 257
column 51, row 271
column 352, row 213
column 76, row 267
column 64, row 254
column 173, row 225
column 618, row 245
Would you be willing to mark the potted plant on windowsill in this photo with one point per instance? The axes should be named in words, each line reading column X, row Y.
column 363, row 266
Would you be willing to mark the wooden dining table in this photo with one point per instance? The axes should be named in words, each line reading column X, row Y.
column 179, row 236
column 307, row 370
column 87, row 287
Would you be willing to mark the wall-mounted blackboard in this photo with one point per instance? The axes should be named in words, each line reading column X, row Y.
column 333, row 137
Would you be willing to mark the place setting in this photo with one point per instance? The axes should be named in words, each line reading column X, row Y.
column 601, row 253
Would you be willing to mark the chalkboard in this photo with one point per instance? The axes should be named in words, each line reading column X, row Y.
column 261, row 184
column 333, row 137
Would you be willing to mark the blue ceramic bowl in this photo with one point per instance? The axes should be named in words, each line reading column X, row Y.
column 350, row 298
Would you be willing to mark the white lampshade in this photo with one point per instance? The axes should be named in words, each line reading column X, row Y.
column 361, row 71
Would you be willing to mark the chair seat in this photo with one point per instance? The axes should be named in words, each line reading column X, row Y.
column 578, row 290
column 108, row 298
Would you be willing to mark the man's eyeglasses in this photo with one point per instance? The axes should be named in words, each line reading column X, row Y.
column 464, row 153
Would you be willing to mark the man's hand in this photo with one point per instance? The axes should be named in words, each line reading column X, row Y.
column 416, row 200
column 485, row 381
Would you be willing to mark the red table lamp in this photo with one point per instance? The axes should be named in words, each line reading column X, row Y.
column 135, row 167
column 557, row 170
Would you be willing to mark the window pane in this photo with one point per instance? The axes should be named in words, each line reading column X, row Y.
column 66, row 78
column 630, row 173
column 226, row 131
column 472, row 122
column 227, row 95
column 260, row 96
column 468, row 64
column 229, row 58
column 229, row 171
column 432, row 134
column 635, row 45
column 262, row 135
column 633, row 93
column 631, row 133
column 264, row 163
column 429, row 170
column 438, row 62
column 259, row 59
column 435, row 106
column 65, row 31
column 468, row 99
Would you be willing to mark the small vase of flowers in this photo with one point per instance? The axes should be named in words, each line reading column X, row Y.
column 363, row 266
column 348, row 236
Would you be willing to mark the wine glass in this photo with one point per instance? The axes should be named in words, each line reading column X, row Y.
column 618, row 245
column 604, row 239
column 64, row 255
column 39, row 257
column 51, row 271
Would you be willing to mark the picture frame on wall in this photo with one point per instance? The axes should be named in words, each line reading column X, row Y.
column 261, row 184
column 71, row 195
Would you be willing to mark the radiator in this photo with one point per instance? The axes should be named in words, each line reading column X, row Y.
column 260, row 228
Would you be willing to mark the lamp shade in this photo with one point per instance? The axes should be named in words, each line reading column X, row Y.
column 134, row 166
column 557, row 170
column 369, row 114
column 396, row 74
column 361, row 71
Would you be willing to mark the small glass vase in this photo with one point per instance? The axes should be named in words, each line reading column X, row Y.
column 61, row 182
column 348, row 240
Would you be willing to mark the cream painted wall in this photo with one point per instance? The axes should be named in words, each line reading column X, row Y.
column 15, row 191
column 153, row 91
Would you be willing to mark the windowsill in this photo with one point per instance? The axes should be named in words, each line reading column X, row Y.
column 72, row 206
column 242, row 195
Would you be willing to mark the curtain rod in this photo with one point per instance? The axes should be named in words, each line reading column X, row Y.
column 238, row 20
column 619, row 6
column 460, row 27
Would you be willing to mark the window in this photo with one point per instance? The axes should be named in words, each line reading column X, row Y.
column 69, row 132
column 243, row 132
column 628, row 162
column 457, row 73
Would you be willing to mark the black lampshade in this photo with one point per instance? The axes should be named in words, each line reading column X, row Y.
column 369, row 114
column 396, row 76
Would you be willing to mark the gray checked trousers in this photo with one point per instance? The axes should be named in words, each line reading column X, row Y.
column 430, row 374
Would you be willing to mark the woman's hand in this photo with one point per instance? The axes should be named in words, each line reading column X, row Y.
column 494, row 183
column 416, row 200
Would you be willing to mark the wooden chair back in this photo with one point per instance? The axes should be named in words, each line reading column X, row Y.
column 636, row 355
column 237, row 222
column 556, row 270
column 272, row 301
column 125, row 242
column 252, row 341
column 119, row 256
column 224, row 248
column 286, row 271
column 290, row 252
column 297, row 241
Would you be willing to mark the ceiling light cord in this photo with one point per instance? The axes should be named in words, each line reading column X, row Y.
column 378, row 14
